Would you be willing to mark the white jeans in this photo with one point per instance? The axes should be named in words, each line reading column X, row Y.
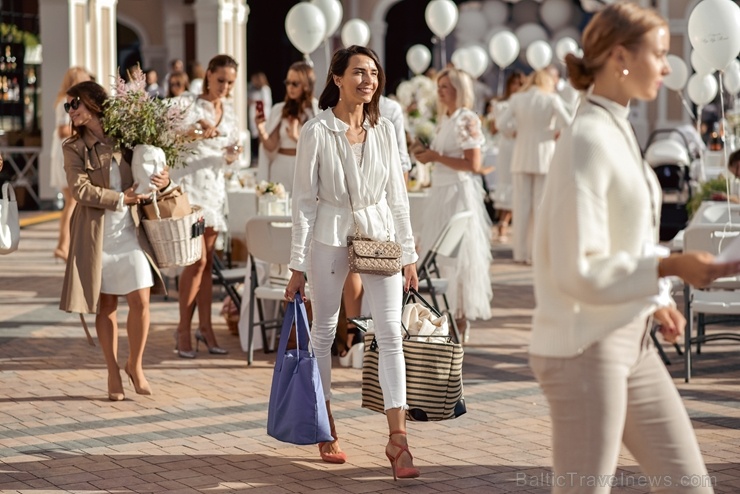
column 328, row 269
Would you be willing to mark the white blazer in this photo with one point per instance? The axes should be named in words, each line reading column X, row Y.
column 325, row 165
column 538, row 117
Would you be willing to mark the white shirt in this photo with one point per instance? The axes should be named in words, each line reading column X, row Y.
column 321, row 207
column 393, row 111
column 538, row 117
column 591, row 271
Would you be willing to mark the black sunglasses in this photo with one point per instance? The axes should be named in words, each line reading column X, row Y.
column 292, row 83
column 74, row 104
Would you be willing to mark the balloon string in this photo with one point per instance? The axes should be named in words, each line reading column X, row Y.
column 686, row 105
column 724, row 144
column 702, row 150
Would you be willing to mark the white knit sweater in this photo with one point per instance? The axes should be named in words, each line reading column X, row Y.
column 591, row 271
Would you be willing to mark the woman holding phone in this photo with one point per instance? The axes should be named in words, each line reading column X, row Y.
column 279, row 135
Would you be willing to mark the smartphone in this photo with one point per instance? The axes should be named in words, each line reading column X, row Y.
column 259, row 107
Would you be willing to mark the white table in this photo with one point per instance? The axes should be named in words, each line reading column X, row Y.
column 417, row 204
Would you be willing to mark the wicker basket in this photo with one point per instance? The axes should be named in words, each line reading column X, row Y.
column 173, row 241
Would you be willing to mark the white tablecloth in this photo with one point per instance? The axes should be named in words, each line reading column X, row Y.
column 242, row 205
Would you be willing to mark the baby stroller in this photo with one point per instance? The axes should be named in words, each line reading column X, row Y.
column 670, row 160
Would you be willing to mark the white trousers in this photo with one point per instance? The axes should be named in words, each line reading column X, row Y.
column 527, row 195
column 328, row 269
column 619, row 392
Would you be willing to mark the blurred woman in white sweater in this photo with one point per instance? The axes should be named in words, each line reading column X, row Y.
column 599, row 275
column 538, row 115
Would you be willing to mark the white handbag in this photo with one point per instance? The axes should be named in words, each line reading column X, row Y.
column 10, row 229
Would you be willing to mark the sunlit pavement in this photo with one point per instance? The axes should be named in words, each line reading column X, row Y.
column 203, row 430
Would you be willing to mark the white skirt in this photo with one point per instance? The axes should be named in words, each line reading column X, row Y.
column 470, row 288
column 125, row 266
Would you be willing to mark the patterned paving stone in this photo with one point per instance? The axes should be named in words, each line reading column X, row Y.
column 203, row 430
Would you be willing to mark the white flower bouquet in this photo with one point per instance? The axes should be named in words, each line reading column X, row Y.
column 271, row 188
column 273, row 199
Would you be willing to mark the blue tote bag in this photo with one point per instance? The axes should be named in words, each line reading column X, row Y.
column 297, row 410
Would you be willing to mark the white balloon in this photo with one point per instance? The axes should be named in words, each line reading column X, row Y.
column 418, row 58
column 355, row 32
column 556, row 14
column 714, row 33
column 731, row 80
column 441, row 17
column 496, row 12
column 529, row 33
column 332, row 10
column 471, row 26
column 567, row 32
column 733, row 66
column 476, row 61
column 676, row 80
column 539, row 55
column 564, row 46
column 504, row 48
column 702, row 89
column 700, row 64
column 305, row 26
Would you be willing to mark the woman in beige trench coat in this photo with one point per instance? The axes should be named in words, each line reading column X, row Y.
column 109, row 256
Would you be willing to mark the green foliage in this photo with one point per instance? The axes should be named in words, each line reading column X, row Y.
column 133, row 117
column 11, row 33
column 708, row 189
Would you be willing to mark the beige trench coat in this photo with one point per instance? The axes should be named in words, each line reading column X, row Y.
column 87, row 163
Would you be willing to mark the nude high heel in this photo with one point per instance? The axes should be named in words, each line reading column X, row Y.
column 115, row 387
column 141, row 388
column 400, row 472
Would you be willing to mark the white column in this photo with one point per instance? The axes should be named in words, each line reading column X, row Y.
column 174, row 32
column 221, row 28
column 61, row 22
column 241, row 12
column 207, row 29
column 102, row 41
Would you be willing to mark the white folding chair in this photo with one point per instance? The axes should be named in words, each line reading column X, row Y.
column 722, row 297
column 269, row 241
column 447, row 245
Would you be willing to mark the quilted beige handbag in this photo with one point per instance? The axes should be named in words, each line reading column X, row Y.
column 374, row 256
column 380, row 257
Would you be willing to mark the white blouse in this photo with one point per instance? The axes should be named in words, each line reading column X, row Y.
column 324, row 165
column 455, row 134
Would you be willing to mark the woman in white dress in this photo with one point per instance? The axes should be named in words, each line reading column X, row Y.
column 108, row 256
column 279, row 135
column 455, row 153
column 62, row 130
column 505, row 134
column 202, row 178
column 538, row 115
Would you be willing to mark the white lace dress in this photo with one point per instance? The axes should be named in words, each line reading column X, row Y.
column 453, row 191
column 125, row 266
column 202, row 177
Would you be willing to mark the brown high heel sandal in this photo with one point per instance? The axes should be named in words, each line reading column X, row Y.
column 400, row 472
column 337, row 458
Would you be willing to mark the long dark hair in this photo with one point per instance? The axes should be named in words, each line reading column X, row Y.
column 339, row 62
column 295, row 107
column 93, row 95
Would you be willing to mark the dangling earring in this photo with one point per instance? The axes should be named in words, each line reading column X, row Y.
column 339, row 86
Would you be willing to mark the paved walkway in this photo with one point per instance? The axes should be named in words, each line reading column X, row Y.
column 203, row 430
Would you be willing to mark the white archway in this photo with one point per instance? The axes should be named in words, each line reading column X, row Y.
column 378, row 27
